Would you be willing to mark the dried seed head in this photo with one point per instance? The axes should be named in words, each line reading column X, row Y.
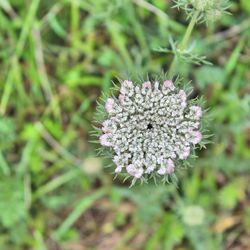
column 150, row 127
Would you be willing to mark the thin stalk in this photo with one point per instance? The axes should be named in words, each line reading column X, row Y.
column 184, row 42
column 4, row 167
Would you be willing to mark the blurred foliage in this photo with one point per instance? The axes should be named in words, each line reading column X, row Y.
column 56, row 58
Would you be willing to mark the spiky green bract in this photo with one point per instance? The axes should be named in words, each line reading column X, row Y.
column 150, row 129
column 186, row 55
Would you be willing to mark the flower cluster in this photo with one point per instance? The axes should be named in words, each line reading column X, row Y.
column 150, row 127
column 209, row 10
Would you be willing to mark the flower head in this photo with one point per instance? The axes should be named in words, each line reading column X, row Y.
column 209, row 10
column 150, row 128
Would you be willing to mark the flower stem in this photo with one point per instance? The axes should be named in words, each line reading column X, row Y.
column 184, row 42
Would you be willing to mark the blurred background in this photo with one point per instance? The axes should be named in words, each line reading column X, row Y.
column 56, row 57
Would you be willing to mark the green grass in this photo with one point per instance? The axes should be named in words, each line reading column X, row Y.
column 56, row 58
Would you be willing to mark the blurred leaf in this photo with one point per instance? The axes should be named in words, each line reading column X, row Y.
column 225, row 223
column 75, row 78
column 92, row 166
column 57, row 27
column 54, row 128
column 193, row 215
column 12, row 204
column 245, row 4
column 144, row 197
column 78, row 210
column 232, row 193
column 207, row 75
column 234, row 57
column 191, row 186
column 169, row 233
column 174, row 232
column 7, row 132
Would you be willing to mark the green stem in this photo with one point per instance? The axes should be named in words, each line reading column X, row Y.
column 184, row 42
column 189, row 30
column 4, row 165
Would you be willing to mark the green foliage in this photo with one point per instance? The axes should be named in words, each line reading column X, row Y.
column 232, row 193
column 7, row 132
column 207, row 74
column 12, row 201
column 56, row 58
column 187, row 55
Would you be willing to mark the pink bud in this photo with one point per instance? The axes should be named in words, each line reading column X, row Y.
column 123, row 90
column 109, row 105
column 105, row 126
column 146, row 85
column 121, row 98
column 184, row 155
column 127, row 84
column 182, row 95
column 168, row 84
column 196, row 137
column 170, row 166
column 104, row 140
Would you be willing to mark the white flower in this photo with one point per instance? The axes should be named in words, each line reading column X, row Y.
column 168, row 85
column 150, row 127
column 134, row 171
column 195, row 137
column 168, row 169
column 118, row 169
column 185, row 153
column 196, row 112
